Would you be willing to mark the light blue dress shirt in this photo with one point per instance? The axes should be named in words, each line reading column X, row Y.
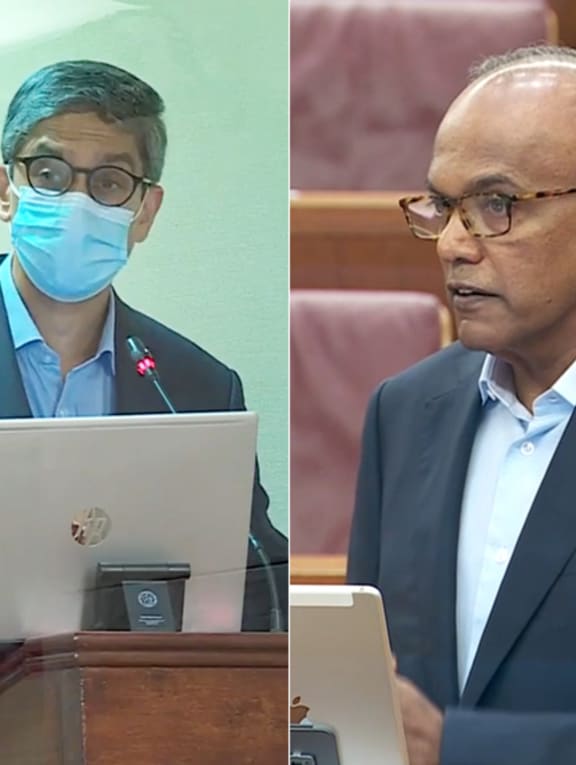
column 87, row 390
column 510, row 455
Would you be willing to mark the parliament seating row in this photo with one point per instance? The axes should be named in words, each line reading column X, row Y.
column 343, row 343
column 367, row 301
column 358, row 240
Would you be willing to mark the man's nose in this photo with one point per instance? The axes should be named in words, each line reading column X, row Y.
column 457, row 243
column 80, row 182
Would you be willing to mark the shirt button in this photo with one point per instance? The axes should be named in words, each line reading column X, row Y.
column 502, row 555
column 64, row 413
column 527, row 448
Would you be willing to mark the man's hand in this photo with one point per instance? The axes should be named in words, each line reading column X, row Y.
column 422, row 724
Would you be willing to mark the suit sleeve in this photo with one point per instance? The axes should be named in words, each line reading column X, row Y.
column 364, row 548
column 485, row 737
column 257, row 602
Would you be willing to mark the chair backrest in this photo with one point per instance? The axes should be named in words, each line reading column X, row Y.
column 343, row 343
column 371, row 79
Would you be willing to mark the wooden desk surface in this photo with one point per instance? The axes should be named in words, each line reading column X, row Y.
column 317, row 569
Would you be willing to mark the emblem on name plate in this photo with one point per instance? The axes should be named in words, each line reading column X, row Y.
column 91, row 526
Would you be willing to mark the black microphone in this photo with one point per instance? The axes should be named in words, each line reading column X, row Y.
column 146, row 367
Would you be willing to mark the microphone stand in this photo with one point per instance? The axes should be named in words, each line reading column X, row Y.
column 276, row 622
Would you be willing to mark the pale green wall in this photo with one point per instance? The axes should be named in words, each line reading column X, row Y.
column 216, row 265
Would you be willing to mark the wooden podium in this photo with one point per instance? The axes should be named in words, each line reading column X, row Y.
column 125, row 698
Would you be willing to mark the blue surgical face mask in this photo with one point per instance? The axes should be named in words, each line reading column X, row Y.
column 69, row 246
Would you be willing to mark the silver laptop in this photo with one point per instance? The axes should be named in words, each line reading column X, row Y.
column 341, row 672
column 169, row 488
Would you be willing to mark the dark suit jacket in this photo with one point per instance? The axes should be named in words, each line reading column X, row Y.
column 519, row 704
column 195, row 382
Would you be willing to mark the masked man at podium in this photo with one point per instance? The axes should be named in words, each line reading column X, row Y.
column 83, row 148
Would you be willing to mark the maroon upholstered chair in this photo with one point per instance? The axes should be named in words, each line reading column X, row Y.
column 371, row 79
column 343, row 343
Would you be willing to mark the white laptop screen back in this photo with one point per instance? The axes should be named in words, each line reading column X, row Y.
column 341, row 672
column 176, row 489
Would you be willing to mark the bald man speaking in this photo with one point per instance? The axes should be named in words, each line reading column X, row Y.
column 465, row 513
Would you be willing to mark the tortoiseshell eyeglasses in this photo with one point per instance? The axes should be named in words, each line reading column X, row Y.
column 483, row 215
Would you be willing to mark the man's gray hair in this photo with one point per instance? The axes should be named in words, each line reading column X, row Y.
column 89, row 86
column 529, row 55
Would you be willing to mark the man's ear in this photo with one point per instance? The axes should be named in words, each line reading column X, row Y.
column 6, row 207
column 143, row 223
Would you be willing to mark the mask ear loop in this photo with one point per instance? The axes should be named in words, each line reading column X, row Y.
column 137, row 213
column 8, row 168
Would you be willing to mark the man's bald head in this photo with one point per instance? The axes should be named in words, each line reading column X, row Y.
column 530, row 56
column 519, row 110
column 534, row 73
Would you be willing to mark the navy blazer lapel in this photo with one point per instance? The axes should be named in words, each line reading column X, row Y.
column 451, row 423
column 546, row 542
column 13, row 400
column 133, row 394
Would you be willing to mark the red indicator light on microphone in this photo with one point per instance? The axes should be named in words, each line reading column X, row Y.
column 145, row 365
